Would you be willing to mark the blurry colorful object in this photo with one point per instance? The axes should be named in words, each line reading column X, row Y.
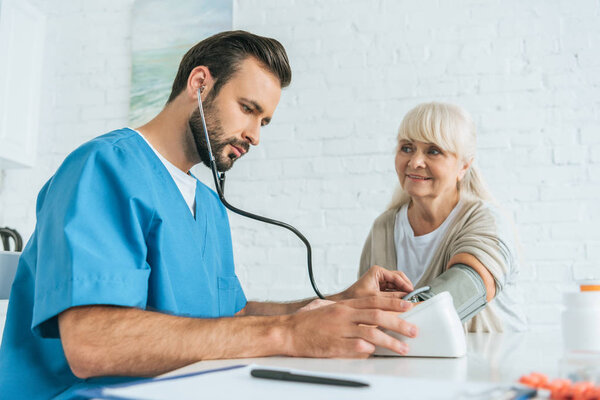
column 162, row 31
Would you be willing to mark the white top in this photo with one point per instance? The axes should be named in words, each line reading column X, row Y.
column 185, row 182
column 414, row 253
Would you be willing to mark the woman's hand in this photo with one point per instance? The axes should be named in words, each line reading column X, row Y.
column 378, row 281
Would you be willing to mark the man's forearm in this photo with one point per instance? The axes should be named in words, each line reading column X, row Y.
column 108, row 340
column 104, row 340
column 376, row 281
column 268, row 308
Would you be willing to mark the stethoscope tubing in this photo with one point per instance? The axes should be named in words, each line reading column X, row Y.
column 219, row 179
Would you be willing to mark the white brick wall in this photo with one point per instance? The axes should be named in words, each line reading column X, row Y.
column 529, row 73
column 85, row 92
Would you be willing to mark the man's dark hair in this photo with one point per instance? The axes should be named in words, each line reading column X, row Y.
column 223, row 53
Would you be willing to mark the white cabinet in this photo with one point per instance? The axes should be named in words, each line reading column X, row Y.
column 22, row 31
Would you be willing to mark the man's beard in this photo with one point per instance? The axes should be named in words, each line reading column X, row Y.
column 215, row 132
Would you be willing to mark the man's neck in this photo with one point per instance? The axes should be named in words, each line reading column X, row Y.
column 169, row 134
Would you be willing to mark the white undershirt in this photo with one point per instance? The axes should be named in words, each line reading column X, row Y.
column 185, row 182
column 414, row 253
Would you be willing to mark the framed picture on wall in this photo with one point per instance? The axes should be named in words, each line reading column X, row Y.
column 162, row 31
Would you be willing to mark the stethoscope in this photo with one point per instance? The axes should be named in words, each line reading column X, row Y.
column 219, row 178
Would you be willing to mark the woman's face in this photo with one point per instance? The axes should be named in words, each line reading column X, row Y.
column 427, row 171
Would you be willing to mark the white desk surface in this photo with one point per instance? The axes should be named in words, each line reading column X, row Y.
column 500, row 358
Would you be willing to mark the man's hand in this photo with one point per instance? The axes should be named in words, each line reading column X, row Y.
column 316, row 303
column 349, row 329
column 378, row 281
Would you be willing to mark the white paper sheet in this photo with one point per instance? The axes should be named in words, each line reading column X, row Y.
column 238, row 384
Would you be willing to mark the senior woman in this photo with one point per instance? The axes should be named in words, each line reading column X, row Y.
column 442, row 216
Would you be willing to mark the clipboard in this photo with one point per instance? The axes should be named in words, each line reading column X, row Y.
column 107, row 392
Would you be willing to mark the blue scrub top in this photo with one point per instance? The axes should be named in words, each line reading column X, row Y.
column 112, row 228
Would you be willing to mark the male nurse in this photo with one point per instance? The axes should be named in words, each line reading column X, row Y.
column 130, row 273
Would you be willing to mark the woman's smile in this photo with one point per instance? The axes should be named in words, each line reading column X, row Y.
column 418, row 178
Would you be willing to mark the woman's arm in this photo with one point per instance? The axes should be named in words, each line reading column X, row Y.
column 473, row 262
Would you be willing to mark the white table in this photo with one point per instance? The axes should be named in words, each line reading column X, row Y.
column 494, row 362
column 500, row 358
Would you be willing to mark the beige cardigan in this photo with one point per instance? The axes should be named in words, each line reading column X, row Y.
column 479, row 230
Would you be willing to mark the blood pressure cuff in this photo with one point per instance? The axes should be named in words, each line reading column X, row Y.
column 466, row 287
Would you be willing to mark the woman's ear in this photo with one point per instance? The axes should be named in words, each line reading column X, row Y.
column 464, row 168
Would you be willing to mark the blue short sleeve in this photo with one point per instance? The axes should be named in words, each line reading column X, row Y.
column 91, row 235
column 240, row 298
column 231, row 296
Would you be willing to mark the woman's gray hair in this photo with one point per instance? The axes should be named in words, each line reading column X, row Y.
column 451, row 128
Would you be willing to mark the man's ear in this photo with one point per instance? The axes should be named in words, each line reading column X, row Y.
column 199, row 77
